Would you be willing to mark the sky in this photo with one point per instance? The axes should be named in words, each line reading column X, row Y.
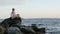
column 31, row 8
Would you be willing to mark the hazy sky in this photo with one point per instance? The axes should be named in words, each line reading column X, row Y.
column 31, row 8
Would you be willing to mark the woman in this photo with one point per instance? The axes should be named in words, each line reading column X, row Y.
column 13, row 15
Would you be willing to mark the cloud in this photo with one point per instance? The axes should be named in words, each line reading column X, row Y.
column 13, row 2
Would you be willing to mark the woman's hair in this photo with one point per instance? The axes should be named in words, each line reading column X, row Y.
column 18, row 15
column 13, row 9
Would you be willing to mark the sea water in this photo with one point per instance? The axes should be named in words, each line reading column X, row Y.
column 52, row 25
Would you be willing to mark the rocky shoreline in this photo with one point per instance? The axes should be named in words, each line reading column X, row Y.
column 7, row 24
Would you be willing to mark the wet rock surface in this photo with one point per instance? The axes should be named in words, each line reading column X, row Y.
column 10, row 26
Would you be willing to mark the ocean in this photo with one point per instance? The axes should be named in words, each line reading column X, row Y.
column 52, row 25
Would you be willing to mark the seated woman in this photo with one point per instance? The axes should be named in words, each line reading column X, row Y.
column 18, row 19
column 14, row 19
column 13, row 15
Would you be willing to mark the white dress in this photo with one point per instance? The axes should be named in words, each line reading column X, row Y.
column 13, row 15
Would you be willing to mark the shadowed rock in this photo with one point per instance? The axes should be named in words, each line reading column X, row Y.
column 14, row 29
column 10, row 21
column 25, row 31
column 1, row 30
column 38, row 30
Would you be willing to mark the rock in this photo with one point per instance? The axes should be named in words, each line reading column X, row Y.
column 25, row 31
column 4, row 29
column 38, row 30
column 14, row 30
column 10, row 21
column 1, row 30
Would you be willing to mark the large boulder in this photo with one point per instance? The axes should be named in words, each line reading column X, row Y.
column 38, row 30
column 10, row 21
column 2, row 30
column 14, row 30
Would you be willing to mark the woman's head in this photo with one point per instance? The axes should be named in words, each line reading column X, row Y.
column 13, row 9
column 18, row 15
